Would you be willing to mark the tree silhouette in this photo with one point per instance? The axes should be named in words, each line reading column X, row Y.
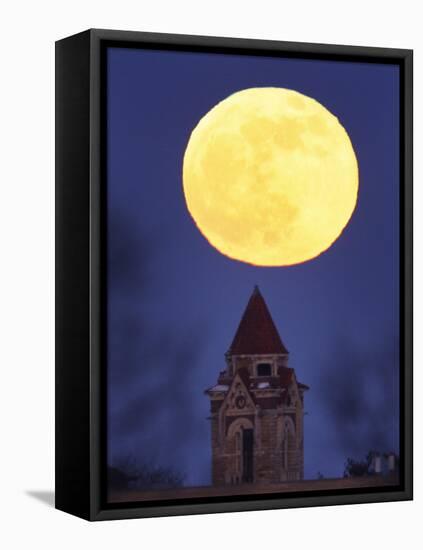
column 129, row 473
column 359, row 468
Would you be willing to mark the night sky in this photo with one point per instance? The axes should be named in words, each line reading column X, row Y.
column 174, row 302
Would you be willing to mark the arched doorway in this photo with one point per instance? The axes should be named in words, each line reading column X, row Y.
column 241, row 434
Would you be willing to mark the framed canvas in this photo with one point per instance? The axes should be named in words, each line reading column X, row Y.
column 233, row 274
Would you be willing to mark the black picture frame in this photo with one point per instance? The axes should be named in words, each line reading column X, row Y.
column 80, row 277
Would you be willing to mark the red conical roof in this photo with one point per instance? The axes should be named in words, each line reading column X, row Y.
column 257, row 333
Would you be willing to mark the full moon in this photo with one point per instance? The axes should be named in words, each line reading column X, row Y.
column 270, row 177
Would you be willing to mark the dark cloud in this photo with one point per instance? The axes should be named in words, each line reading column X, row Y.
column 359, row 396
column 129, row 273
column 154, row 394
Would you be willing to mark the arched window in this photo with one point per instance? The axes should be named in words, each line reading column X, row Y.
column 288, row 443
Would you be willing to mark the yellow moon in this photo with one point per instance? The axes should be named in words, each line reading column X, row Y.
column 270, row 177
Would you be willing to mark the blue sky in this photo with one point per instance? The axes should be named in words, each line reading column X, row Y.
column 174, row 302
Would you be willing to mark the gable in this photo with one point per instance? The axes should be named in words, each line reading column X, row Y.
column 238, row 399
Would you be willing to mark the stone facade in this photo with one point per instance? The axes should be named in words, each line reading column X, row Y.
column 257, row 407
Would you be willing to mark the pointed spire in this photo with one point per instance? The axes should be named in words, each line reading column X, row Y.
column 257, row 333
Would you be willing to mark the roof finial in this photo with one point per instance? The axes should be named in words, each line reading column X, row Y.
column 256, row 289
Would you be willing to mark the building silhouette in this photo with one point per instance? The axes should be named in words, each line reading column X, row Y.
column 257, row 406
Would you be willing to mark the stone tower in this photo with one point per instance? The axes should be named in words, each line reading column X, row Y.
column 257, row 406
